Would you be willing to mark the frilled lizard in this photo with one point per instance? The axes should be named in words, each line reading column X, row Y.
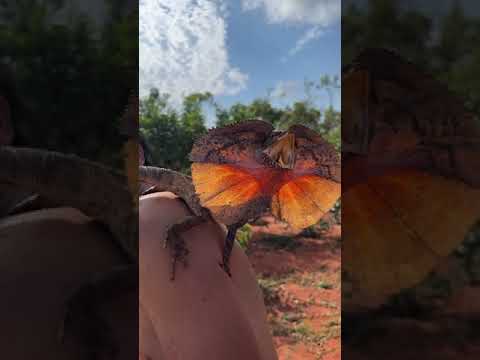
column 243, row 170
column 395, row 115
column 411, row 172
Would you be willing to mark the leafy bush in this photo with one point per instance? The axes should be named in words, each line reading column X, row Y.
column 244, row 234
column 72, row 81
column 170, row 132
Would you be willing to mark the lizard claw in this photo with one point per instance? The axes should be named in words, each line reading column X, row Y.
column 178, row 252
column 225, row 267
column 227, row 250
column 173, row 240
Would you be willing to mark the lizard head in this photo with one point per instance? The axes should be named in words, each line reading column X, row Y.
column 281, row 149
column 239, row 171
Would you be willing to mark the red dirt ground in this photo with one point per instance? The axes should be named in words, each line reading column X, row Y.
column 302, row 282
column 447, row 331
column 450, row 333
column 302, row 287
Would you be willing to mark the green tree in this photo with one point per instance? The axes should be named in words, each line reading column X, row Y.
column 301, row 113
column 73, row 80
column 449, row 50
column 170, row 133
column 259, row 108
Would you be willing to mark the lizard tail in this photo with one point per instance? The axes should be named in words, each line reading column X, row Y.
column 172, row 181
column 68, row 180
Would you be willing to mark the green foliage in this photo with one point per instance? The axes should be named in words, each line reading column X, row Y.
column 298, row 330
column 337, row 211
column 259, row 108
column 301, row 113
column 73, row 79
column 280, row 242
column 324, row 285
column 270, row 290
column 243, row 236
column 449, row 51
column 170, row 132
column 325, row 121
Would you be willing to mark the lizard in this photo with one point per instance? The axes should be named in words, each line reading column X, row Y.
column 398, row 115
column 161, row 179
column 411, row 185
column 243, row 170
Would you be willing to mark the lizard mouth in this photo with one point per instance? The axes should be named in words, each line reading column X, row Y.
column 282, row 151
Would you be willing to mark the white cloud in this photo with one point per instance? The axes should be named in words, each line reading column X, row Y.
column 235, row 81
column 284, row 89
column 183, row 48
column 314, row 12
column 310, row 35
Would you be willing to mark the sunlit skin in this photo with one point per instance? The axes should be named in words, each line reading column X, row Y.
column 206, row 315
column 45, row 256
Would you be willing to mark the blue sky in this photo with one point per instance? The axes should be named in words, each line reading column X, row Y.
column 266, row 52
column 239, row 49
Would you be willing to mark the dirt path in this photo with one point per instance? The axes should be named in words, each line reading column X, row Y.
column 300, row 277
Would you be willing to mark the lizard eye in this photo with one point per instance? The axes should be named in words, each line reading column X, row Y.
column 282, row 151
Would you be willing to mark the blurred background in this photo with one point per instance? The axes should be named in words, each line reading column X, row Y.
column 69, row 67
column 441, row 38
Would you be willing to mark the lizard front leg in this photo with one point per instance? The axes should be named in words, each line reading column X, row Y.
column 181, row 185
column 228, row 247
column 179, row 251
column 175, row 242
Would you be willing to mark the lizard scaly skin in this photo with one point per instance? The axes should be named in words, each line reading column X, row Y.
column 182, row 186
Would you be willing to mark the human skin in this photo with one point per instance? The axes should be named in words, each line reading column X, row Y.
column 45, row 256
column 203, row 313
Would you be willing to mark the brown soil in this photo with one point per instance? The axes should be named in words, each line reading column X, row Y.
column 449, row 333
column 300, row 277
column 443, row 328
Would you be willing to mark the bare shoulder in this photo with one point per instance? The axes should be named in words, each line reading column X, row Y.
column 203, row 314
column 55, row 231
column 157, row 212
column 45, row 256
column 169, row 206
